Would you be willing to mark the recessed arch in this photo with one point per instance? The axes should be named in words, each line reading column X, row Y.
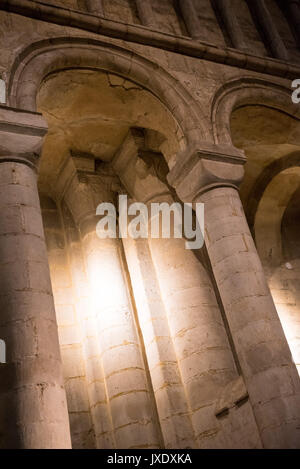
column 44, row 57
column 247, row 91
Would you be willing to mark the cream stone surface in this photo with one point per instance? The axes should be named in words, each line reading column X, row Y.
column 33, row 403
column 142, row 343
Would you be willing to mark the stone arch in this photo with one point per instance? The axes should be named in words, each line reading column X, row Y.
column 247, row 91
column 47, row 56
column 268, row 200
column 270, row 211
column 269, row 173
column 278, row 190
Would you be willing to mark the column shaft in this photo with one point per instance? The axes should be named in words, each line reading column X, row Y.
column 269, row 29
column 201, row 344
column 231, row 23
column 124, row 370
column 170, row 396
column 124, row 392
column 190, row 17
column 268, row 370
column 145, row 12
column 294, row 13
column 99, row 405
column 95, row 7
column 69, row 328
column 33, row 409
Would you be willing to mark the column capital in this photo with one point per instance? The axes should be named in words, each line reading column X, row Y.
column 148, row 167
column 21, row 135
column 205, row 166
column 83, row 183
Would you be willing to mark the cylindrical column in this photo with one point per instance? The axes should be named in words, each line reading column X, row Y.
column 201, row 344
column 99, row 405
column 145, row 12
column 190, row 17
column 231, row 23
column 69, row 328
column 172, row 406
column 270, row 375
column 124, row 370
column 124, row 374
column 33, row 409
column 269, row 29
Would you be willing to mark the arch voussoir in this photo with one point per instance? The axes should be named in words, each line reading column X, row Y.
column 43, row 58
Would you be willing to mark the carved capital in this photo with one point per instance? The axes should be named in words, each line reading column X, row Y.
column 83, row 183
column 142, row 171
column 21, row 135
column 205, row 167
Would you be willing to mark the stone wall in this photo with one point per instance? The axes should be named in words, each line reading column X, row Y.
column 168, row 18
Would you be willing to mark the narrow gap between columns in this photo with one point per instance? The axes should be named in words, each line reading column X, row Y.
column 141, row 340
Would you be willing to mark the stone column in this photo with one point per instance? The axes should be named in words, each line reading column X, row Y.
column 145, row 12
column 294, row 14
column 95, row 7
column 179, row 316
column 231, row 23
column 33, row 409
column 203, row 352
column 209, row 176
column 190, row 17
column 172, row 406
column 99, row 407
column 269, row 29
column 70, row 331
column 125, row 379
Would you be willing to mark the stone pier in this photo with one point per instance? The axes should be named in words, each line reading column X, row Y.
column 33, row 408
column 212, row 177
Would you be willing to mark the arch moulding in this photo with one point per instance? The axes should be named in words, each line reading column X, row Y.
column 44, row 57
column 247, row 91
